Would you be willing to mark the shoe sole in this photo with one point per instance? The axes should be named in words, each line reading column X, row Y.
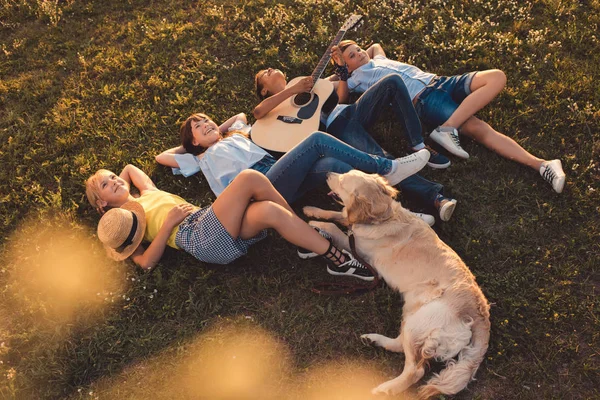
column 430, row 220
column 560, row 185
column 307, row 255
column 450, row 149
column 438, row 166
column 447, row 210
column 364, row 278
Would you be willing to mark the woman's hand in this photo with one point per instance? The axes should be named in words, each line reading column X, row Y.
column 178, row 214
column 336, row 54
column 303, row 85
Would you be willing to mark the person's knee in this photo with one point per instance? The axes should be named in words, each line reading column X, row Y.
column 316, row 137
column 270, row 212
column 394, row 81
column 498, row 77
column 250, row 178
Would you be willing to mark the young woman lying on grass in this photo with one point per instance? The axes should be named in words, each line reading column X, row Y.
column 352, row 123
column 443, row 103
column 218, row 234
column 222, row 155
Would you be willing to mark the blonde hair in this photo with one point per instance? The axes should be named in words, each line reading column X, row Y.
column 92, row 189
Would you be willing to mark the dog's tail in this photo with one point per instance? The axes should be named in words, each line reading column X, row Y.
column 458, row 374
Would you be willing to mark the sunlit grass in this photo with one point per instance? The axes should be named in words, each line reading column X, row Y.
column 88, row 85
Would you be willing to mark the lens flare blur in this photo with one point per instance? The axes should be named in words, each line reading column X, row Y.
column 344, row 380
column 237, row 363
column 56, row 270
column 230, row 361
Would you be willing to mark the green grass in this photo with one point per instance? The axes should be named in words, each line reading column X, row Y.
column 88, row 85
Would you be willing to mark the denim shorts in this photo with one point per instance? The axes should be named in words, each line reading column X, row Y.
column 442, row 97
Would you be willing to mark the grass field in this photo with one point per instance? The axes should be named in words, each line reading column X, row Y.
column 99, row 84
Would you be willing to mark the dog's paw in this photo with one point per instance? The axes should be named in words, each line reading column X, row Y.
column 369, row 339
column 311, row 212
column 387, row 388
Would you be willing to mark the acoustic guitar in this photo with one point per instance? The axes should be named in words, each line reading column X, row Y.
column 298, row 116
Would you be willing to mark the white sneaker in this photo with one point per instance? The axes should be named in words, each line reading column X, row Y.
column 429, row 219
column 446, row 209
column 553, row 173
column 447, row 137
column 404, row 167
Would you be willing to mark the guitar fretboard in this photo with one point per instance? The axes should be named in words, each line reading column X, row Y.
column 318, row 71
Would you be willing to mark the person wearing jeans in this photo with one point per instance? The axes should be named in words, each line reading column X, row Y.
column 446, row 104
column 222, row 157
column 351, row 123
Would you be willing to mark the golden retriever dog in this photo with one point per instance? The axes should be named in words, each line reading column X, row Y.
column 445, row 315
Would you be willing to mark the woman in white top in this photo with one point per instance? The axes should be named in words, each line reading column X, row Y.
column 221, row 155
column 443, row 103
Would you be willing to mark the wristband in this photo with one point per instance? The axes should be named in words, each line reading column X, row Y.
column 342, row 72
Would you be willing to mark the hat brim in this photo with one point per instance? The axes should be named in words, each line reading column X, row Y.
column 138, row 210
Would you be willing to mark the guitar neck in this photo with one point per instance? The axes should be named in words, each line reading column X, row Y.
column 318, row 71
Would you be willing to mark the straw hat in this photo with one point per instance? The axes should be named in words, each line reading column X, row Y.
column 121, row 230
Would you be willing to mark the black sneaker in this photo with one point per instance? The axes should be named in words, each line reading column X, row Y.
column 306, row 254
column 352, row 267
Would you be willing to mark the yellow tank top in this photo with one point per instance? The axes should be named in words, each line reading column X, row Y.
column 157, row 205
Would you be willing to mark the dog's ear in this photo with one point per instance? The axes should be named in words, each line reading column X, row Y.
column 359, row 210
column 373, row 206
column 386, row 187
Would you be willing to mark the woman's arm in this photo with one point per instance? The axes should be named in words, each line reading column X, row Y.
column 341, row 87
column 148, row 258
column 303, row 85
column 136, row 177
column 375, row 50
column 223, row 128
column 167, row 157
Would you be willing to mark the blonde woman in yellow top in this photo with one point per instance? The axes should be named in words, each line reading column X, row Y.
column 218, row 234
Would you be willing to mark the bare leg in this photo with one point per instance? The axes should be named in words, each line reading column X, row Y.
column 484, row 87
column 483, row 133
column 340, row 239
column 243, row 218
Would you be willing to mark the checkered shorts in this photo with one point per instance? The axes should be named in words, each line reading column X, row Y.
column 202, row 235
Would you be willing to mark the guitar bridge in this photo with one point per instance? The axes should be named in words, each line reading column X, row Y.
column 289, row 120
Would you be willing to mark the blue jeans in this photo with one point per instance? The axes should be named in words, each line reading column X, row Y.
column 306, row 165
column 352, row 124
column 442, row 97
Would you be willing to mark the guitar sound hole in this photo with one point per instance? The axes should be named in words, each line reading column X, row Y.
column 302, row 99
